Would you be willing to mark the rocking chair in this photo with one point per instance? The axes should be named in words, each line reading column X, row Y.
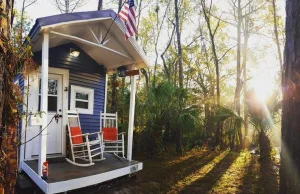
column 81, row 147
column 113, row 141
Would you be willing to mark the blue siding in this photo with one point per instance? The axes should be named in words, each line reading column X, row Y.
column 85, row 72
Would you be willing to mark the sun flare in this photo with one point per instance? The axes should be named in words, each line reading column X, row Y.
column 263, row 87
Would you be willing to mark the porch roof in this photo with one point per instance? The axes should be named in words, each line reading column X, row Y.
column 87, row 30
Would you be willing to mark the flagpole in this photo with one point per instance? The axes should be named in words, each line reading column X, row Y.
column 113, row 22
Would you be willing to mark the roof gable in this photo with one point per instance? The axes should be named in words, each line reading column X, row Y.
column 89, row 30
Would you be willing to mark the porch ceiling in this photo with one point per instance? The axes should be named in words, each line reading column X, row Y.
column 88, row 34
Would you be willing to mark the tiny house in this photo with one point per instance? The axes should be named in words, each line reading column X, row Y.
column 75, row 53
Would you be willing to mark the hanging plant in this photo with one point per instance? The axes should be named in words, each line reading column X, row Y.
column 117, row 83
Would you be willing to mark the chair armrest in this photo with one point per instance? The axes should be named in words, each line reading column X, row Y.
column 80, row 135
column 95, row 133
column 122, row 133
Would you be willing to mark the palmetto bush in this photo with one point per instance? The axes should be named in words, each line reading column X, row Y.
column 158, row 117
column 262, row 116
column 232, row 123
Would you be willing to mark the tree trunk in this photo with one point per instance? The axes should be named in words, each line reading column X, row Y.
column 100, row 4
column 114, row 79
column 290, row 147
column 67, row 4
column 6, row 18
column 144, row 72
column 179, row 135
column 238, row 61
column 212, row 32
column 9, row 145
column 119, row 6
column 8, row 148
column 114, row 93
column 245, row 88
column 277, row 37
column 237, row 97
column 155, row 46
column 264, row 146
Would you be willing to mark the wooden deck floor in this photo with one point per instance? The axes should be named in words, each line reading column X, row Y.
column 61, row 170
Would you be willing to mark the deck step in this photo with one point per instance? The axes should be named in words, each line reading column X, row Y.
column 25, row 185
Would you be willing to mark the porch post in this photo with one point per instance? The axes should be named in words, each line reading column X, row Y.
column 44, row 102
column 105, row 97
column 131, row 117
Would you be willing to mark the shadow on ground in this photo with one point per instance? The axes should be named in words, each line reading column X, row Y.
column 204, row 171
column 206, row 183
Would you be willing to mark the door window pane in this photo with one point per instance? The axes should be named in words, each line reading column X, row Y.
column 80, row 104
column 52, row 86
column 52, row 103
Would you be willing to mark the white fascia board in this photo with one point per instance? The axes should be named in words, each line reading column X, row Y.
column 50, row 27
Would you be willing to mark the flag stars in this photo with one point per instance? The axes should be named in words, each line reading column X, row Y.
column 131, row 3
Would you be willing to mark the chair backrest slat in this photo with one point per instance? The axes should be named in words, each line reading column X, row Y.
column 74, row 128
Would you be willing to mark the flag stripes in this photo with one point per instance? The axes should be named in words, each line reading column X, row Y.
column 127, row 15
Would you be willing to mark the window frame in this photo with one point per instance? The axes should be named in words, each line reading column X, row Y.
column 90, row 92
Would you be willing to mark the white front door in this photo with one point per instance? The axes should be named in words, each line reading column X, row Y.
column 55, row 105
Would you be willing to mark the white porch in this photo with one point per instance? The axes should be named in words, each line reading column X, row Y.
column 64, row 176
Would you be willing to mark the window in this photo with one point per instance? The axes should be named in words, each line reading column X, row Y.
column 82, row 99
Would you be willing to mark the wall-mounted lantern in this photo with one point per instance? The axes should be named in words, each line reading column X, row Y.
column 122, row 71
column 74, row 52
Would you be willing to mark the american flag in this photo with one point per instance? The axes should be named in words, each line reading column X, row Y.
column 127, row 15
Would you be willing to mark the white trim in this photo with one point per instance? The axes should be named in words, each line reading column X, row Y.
column 105, row 95
column 44, row 102
column 131, row 117
column 100, row 34
column 65, row 94
column 17, row 82
column 90, row 92
column 94, row 36
column 72, row 184
column 105, row 42
column 90, row 43
column 23, row 154
column 74, row 22
column 36, row 178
